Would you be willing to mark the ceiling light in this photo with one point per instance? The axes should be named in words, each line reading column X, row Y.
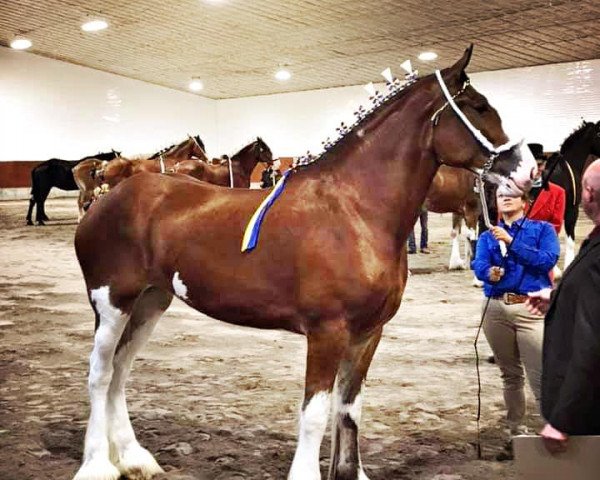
column 283, row 75
column 196, row 85
column 94, row 25
column 427, row 56
column 20, row 43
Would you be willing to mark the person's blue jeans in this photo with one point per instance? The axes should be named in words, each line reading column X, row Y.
column 412, row 246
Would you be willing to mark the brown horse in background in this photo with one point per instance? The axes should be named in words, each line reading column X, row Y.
column 92, row 174
column 330, row 265
column 453, row 191
column 242, row 166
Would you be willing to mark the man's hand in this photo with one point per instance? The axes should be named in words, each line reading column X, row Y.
column 539, row 301
column 554, row 440
column 501, row 235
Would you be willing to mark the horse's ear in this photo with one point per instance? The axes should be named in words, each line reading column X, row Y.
column 458, row 69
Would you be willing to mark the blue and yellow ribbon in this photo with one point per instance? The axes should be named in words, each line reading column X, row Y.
column 252, row 231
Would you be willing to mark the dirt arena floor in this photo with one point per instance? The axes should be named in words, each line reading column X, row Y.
column 214, row 401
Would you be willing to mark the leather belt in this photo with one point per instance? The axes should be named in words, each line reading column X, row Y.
column 510, row 298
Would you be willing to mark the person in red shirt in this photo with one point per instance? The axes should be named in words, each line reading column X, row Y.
column 546, row 204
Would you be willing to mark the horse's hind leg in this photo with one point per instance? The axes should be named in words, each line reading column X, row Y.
column 40, row 199
column 112, row 316
column 30, row 210
column 325, row 349
column 345, row 453
column 132, row 460
column 570, row 220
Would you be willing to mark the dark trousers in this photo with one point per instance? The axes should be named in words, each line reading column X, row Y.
column 412, row 247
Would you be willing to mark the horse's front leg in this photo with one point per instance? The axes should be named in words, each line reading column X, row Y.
column 325, row 348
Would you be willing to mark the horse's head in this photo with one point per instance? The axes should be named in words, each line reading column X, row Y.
column 98, row 172
column 262, row 151
column 198, row 150
column 468, row 133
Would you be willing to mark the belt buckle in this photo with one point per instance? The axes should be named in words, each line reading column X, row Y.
column 511, row 298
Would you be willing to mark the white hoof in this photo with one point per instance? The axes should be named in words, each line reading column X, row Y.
column 137, row 463
column 98, row 469
column 362, row 475
column 457, row 265
column 476, row 282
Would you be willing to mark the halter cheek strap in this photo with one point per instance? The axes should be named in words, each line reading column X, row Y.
column 196, row 142
column 230, row 172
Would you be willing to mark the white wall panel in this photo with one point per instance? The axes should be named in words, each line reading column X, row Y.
column 290, row 123
column 544, row 104
column 50, row 108
column 541, row 104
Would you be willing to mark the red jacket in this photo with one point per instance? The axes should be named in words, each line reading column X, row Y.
column 550, row 206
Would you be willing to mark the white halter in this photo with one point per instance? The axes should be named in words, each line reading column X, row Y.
column 493, row 152
column 230, row 172
column 484, row 142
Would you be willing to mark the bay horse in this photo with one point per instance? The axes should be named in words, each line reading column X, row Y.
column 86, row 178
column 55, row 173
column 112, row 173
column 453, row 191
column 331, row 263
column 572, row 160
column 242, row 165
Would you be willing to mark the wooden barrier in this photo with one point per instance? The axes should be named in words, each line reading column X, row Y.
column 16, row 174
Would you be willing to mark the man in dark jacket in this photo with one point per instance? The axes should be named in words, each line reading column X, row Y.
column 571, row 352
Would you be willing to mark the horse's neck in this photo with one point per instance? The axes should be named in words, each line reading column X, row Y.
column 246, row 162
column 385, row 173
column 577, row 155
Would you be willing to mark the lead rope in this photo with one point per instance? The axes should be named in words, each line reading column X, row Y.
column 486, row 218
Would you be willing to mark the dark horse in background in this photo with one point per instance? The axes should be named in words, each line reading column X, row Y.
column 572, row 161
column 331, row 263
column 55, row 173
column 564, row 168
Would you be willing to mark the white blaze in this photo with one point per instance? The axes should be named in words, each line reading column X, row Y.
column 522, row 175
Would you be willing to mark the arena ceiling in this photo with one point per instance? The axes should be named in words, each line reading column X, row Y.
column 235, row 46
